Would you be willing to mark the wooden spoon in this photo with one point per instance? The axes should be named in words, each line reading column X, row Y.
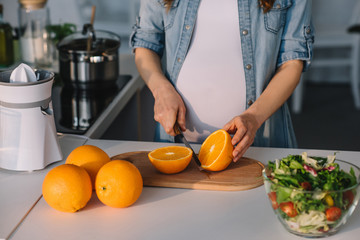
column 89, row 42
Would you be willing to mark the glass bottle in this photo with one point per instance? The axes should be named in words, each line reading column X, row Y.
column 6, row 42
column 16, row 43
column 35, row 44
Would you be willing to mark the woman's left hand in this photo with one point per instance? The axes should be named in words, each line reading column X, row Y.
column 279, row 89
column 244, row 128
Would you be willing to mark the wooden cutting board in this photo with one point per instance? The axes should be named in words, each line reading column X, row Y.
column 242, row 175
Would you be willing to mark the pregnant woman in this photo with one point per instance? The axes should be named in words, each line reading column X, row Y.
column 228, row 64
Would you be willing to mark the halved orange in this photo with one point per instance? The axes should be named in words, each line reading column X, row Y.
column 171, row 159
column 216, row 151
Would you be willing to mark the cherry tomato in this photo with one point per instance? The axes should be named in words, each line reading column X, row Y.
column 272, row 197
column 333, row 213
column 348, row 197
column 305, row 185
column 288, row 208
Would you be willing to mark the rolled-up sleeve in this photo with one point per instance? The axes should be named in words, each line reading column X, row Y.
column 298, row 35
column 148, row 31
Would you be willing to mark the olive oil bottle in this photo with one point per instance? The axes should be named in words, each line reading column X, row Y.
column 6, row 42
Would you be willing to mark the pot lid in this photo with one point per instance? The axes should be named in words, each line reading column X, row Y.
column 90, row 40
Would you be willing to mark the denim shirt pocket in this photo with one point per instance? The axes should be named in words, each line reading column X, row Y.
column 169, row 16
column 276, row 17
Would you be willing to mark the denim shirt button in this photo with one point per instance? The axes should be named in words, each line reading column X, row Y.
column 245, row 32
column 187, row 27
column 248, row 66
column 308, row 30
column 179, row 59
column 250, row 102
column 278, row 6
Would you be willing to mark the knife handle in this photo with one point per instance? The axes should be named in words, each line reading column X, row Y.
column 177, row 129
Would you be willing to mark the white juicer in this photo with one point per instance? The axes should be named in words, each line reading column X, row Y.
column 28, row 138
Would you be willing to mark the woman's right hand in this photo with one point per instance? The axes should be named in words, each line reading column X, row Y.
column 169, row 108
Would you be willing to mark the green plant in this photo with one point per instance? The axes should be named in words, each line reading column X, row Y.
column 59, row 31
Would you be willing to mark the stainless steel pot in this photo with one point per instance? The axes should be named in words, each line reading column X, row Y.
column 86, row 67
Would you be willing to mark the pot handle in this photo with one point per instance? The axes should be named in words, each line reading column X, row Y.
column 88, row 29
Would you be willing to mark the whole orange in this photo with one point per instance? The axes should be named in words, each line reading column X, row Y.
column 67, row 188
column 89, row 157
column 118, row 184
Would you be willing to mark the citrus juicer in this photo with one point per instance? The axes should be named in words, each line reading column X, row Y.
column 28, row 137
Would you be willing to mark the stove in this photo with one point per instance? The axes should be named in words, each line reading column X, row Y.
column 75, row 110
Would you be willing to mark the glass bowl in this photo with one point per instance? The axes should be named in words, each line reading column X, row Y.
column 313, row 213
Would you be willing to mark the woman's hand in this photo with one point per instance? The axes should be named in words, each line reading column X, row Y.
column 169, row 108
column 280, row 87
column 244, row 128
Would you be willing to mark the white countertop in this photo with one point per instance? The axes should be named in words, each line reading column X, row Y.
column 20, row 190
column 159, row 213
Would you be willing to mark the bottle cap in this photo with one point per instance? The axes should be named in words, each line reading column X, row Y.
column 32, row 4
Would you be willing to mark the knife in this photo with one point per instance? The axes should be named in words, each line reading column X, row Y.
column 180, row 134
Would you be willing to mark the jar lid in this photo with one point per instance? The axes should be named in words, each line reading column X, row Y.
column 33, row 4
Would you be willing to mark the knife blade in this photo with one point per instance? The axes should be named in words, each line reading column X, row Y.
column 180, row 134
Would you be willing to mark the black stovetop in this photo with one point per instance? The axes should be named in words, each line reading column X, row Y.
column 75, row 110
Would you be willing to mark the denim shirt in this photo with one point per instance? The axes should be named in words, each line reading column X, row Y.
column 267, row 40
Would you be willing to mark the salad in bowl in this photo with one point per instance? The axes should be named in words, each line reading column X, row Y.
column 312, row 196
